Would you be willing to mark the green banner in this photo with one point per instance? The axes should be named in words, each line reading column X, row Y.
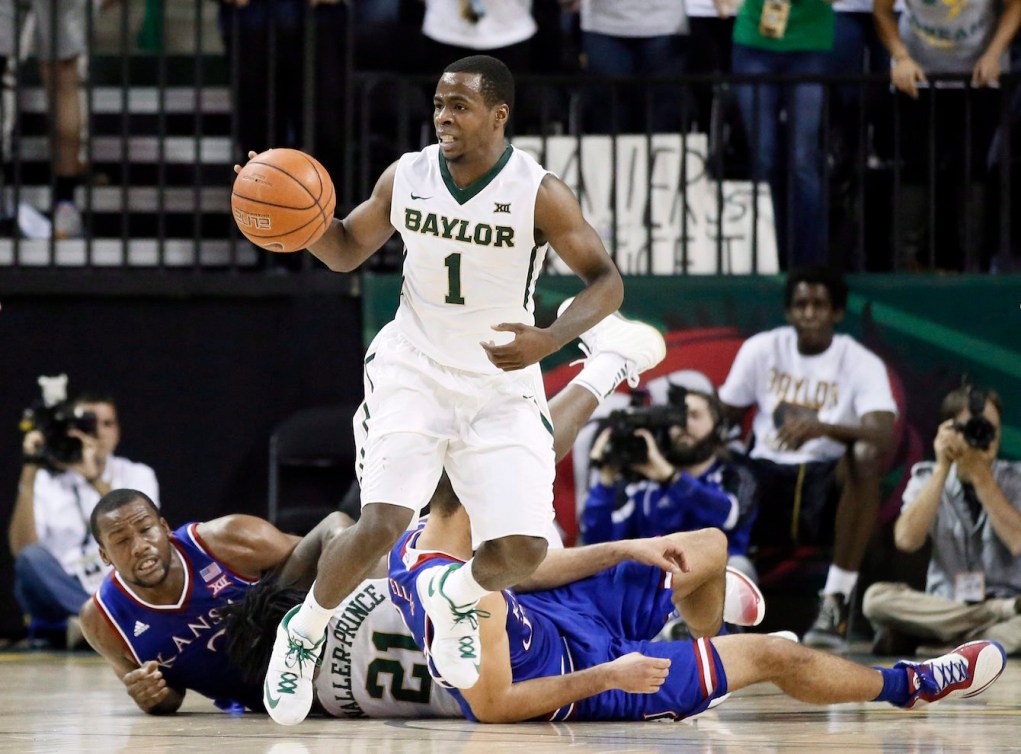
column 929, row 330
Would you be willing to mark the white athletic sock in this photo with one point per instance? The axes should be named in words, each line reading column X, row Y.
column 461, row 588
column 839, row 581
column 311, row 620
column 602, row 373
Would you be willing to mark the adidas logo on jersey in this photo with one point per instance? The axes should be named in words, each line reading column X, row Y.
column 140, row 628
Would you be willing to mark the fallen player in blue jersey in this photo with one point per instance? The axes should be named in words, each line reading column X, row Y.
column 156, row 618
column 583, row 652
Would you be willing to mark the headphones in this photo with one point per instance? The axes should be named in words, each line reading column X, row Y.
column 677, row 395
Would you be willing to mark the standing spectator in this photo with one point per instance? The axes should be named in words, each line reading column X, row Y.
column 633, row 38
column 57, row 560
column 857, row 50
column 946, row 38
column 264, row 40
column 823, row 426
column 457, row 28
column 686, row 482
column 792, row 38
column 969, row 504
column 61, row 42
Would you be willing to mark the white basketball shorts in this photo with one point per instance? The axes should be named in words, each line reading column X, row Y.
column 492, row 433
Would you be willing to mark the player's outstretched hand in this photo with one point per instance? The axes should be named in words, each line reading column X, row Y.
column 146, row 685
column 251, row 156
column 659, row 552
column 530, row 344
column 637, row 674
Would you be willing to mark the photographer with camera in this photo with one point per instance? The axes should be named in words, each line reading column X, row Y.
column 664, row 469
column 68, row 464
column 969, row 503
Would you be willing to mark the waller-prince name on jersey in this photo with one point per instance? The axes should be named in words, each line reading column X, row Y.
column 455, row 229
column 343, row 630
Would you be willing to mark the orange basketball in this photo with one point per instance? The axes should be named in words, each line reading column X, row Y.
column 283, row 200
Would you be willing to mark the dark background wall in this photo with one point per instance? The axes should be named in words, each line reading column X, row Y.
column 200, row 381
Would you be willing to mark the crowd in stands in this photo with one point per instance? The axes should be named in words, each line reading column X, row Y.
column 806, row 141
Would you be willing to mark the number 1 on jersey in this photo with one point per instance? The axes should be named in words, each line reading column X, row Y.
column 453, row 265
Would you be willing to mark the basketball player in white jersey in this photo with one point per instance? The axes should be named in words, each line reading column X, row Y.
column 453, row 382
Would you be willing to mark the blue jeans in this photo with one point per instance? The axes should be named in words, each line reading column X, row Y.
column 795, row 175
column 636, row 56
column 42, row 587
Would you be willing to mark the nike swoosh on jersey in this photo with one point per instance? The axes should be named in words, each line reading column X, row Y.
column 414, row 197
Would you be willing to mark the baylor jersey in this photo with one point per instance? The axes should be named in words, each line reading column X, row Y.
column 470, row 259
column 372, row 667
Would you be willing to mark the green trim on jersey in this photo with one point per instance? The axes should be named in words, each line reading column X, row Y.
column 462, row 195
column 531, row 271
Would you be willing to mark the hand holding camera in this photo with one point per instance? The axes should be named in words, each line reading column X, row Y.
column 643, row 456
column 59, row 435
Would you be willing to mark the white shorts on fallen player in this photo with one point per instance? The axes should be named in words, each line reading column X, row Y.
column 492, row 433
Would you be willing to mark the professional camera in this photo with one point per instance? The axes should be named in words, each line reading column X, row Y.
column 624, row 448
column 977, row 431
column 54, row 416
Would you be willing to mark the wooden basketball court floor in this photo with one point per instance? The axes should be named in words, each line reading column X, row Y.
column 71, row 702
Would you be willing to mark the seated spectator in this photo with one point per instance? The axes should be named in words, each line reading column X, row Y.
column 946, row 38
column 824, row 423
column 57, row 559
column 685, row 480
column 968, row 503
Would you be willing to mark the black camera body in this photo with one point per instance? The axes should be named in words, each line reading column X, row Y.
column 54, row 416
column 977, row 430
column 624, row 449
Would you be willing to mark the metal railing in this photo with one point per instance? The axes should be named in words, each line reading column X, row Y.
column 899, row 188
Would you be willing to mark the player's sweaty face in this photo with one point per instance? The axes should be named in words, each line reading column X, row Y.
column 135, row 540
column 463, row 121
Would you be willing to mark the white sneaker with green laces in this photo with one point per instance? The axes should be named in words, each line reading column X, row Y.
column 455, row 648
column 287, row 691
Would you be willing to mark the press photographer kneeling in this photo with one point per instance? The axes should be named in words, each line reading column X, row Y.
column 68, row 464
column 664, row 469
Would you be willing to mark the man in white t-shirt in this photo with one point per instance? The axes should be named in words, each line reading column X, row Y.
column 57, row 561
column 823, row 426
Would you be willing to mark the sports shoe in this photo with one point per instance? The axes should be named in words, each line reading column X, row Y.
column 641, row 344
column 963, row 673
column 456, row 648
column 788, row 635
column 287, row 691
column 743, row 603
column 67, row 222
column 830, row 628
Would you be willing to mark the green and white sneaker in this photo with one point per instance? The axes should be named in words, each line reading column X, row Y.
column 455, row 646
column 287, row 691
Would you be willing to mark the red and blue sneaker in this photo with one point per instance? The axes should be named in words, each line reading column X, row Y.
column 961, row 674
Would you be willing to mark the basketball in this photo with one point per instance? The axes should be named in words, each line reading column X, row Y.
column 283, row 200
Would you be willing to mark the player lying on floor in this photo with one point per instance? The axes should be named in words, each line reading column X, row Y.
column 158, row 617
column 583, row 651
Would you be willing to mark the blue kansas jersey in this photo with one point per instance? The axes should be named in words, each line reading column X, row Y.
column 579, row 626
column 186, row 639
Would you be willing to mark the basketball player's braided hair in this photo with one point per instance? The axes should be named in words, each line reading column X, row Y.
column 251, row 625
